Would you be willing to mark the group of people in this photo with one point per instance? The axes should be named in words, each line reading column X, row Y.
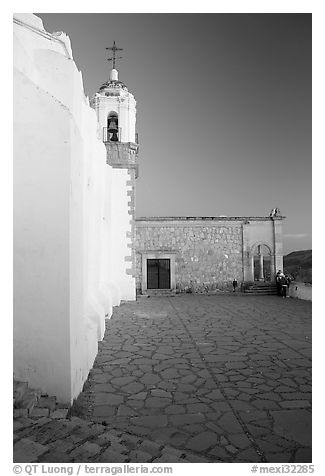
column 282, row 284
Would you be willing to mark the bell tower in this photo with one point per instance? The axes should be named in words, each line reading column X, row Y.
column 116, row 115
column 115, row 107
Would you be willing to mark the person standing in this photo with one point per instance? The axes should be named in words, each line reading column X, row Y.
column 284, row 285
column 278, row 283
column 234, row 284
column 288, row 284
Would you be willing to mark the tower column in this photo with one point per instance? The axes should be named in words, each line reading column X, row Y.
column 261, row 270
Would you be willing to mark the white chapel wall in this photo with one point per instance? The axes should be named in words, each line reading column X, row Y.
column 122, row 235
column 65, row 227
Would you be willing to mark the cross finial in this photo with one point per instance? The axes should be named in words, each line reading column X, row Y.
column 114, row 50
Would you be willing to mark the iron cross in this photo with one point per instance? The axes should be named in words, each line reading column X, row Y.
column 114, row 50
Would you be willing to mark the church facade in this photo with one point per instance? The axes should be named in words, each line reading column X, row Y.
column 205, row 254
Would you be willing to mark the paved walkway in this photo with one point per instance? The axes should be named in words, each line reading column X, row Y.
column 227, row 377
column 189, row 378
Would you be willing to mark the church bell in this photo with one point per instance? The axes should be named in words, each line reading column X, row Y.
column 112, row 126
column 112, row 129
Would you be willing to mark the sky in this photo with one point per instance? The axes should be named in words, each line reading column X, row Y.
column 224, row 109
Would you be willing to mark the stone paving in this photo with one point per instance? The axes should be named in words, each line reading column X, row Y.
column 227, row 377
column 74, row 440
column 190, row 378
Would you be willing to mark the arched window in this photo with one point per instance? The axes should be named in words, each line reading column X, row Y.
column 112, row 127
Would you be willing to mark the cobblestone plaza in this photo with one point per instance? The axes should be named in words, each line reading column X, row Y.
column 192, row 378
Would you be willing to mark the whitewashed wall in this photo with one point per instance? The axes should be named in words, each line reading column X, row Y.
column 121, row 221
column 64, row 222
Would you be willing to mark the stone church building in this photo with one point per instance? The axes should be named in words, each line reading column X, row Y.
column 79, row 249
column 200, row 254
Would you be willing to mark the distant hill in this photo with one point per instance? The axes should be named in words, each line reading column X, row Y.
column 299, row 265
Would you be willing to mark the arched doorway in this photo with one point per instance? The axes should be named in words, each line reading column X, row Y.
column 262, row 263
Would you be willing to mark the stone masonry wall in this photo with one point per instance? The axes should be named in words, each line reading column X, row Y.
column 208, row 252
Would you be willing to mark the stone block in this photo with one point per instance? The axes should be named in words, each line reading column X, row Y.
column 29, row 400
column 39, row 412
column 59, row 414
column 55, row 457
column 190, row 458
column 150, row 447
column 203, row 441
column 61, row 446
column 47, row 402
column 137, row 456
column 28, row 451
column 154, row 421
column 240, row 441
column 41, row 422
column 104, row 411
column 131, row 441
column 220, row 453
column 106, row 438
column 20, row 412
column 156, row 402
column 139, row 396
column 108, row 399
column 111, row 456
column 168, row 458
column 133, row 388
column 17, row 425
column 187, row 419
column 85, row 452
column 118, row 447
column 171, row 450
column 79, row 421
column 229, row 423
column 150, row 379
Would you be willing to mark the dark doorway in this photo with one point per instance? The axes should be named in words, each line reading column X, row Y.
column 158, row 273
